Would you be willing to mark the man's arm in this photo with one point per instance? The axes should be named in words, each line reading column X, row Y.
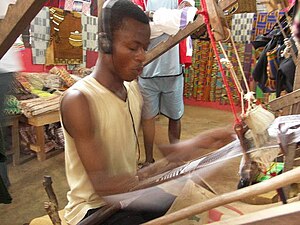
column 78, row 122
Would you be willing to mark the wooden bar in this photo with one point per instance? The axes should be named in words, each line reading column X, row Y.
column 288, row 214
column 285, row 101
column 17, row 18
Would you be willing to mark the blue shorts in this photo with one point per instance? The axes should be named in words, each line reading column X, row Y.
column 162, row 95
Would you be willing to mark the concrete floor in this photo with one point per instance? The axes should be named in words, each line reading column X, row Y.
column 26, row 179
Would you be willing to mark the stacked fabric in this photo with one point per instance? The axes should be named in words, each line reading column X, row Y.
column 37, row 106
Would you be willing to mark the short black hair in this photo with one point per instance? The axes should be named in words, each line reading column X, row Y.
column 121, row 9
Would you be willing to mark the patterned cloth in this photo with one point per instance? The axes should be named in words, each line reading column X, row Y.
column 83, row 6
column 66, row 38
column 263, row 23
column 241, row 27
column 203, row 80
column 11, row 105
column 89, row 32
column 40, row 32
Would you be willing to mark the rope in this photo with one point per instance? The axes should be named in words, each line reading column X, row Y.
column 204, row 13
column 229, row 65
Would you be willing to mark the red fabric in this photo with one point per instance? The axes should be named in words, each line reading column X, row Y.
column 52, row 3
column 140, row 3
column 184, row 59
column 91, row 58
column 26, row 56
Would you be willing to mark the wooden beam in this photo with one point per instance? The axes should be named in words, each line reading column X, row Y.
column 285, row 214
column 188, row 30
column 279, row 181
column 17, row 18
column 285, row 101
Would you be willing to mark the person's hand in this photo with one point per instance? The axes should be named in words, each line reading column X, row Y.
column 191, row 148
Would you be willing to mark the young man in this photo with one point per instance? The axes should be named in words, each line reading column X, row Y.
column 101, row 113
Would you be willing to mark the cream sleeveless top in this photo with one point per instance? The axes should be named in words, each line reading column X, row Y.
column 114, row 130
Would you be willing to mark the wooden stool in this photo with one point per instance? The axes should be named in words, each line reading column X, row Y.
column 13, row 122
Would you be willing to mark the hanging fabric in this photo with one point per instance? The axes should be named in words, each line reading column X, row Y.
column 241, row 27
column 40, row 32
column 66, row 38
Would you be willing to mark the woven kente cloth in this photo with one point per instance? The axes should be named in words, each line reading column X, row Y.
column 89, row 32
column 263, row 23
column 66, row 38
column 40, row 36
column 83, row 6
column 241, row 27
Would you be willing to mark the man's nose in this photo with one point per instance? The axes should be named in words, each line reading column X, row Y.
column 141, row 55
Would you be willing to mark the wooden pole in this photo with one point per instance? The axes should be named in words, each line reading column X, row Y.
column 17, row 18
column 279, row 181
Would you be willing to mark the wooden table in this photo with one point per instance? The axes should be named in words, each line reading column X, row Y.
column 38, row 123
column 13, row 122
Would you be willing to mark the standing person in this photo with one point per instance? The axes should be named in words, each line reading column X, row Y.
column 161, row 82
column 10, row 63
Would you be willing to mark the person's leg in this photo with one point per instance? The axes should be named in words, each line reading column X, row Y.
column 174, row 130
column 172, row 105
column 5, row 82
column 149, row 134
column 150, row 93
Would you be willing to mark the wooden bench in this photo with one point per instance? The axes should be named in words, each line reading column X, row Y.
column 38, row 122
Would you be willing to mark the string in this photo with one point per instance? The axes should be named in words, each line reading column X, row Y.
column 204, row 13
column 134, row 130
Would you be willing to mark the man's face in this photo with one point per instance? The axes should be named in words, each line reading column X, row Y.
column 129, row 48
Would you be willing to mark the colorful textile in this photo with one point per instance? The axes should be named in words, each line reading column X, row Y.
column 241, row 27
column 78, row 6
column 66, row 38
column 203, row 80
column 40, row 32
column 89, row 32
column 11, row 105
column 263, row 23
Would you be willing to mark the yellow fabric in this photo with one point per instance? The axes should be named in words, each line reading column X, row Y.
column 45, row 220
column 115, row 134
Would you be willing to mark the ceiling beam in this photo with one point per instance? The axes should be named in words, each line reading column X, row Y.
column 17, row 18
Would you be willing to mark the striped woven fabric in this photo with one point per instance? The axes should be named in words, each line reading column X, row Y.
column 263, row 23
column 203, row 80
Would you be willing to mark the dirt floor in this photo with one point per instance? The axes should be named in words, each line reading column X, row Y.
column 26, row 179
